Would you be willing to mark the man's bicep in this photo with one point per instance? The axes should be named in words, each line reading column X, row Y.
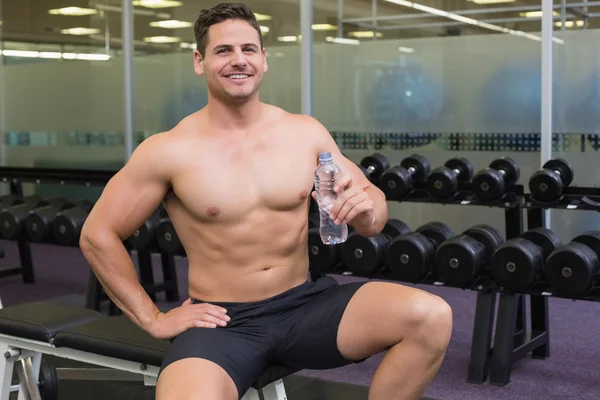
column 129, row 198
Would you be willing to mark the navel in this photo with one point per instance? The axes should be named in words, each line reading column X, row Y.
column 303, row 195
column 213, row 212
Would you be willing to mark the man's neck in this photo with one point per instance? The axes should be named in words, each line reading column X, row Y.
column 233, row 116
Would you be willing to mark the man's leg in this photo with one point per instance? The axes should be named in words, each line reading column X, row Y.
column 414, row 325
column 195, row 378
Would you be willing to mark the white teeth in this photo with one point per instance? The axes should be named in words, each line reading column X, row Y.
column 238, row 76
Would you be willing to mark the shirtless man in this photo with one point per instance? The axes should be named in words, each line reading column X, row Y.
column 235, row 178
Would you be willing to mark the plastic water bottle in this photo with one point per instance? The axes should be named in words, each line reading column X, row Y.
column 326, row 175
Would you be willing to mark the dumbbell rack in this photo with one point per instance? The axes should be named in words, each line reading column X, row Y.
column 16, row 176
column 481, row 344
column 510, row 345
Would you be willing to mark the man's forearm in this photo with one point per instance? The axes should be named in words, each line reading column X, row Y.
column 115, row 271
column 373, row 225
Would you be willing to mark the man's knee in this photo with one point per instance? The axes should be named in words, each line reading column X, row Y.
column 433, row 323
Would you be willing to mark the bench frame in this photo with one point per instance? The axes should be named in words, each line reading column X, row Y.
column 26, row 355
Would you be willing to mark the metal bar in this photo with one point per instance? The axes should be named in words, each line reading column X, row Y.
column 54, row 175
column 340, row 18
column 2, row 97
column 481, row 341
column 563, row 15
column 586, row 20
column 466, row 12
column 546, row 112
column 454, row 23
column 374, row 15
column 96, row 374
column 127, row 21
column 306, row 18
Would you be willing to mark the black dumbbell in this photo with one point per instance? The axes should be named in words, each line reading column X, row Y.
column 460, row 260
column 519, row 262
column 67, row 225
column 443, row 181
column 144, row 237
column 490, row 183
column 314, row 220
column 374, row 165
column 323, row 258
column 12, row 219
column 397, row 182
column 38, row 224
column 365, row 256
column 411, row 257
column 547, row 183
column 167, row 237
column 574, row 268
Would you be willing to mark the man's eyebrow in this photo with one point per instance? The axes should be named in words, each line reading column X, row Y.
column 228, row 46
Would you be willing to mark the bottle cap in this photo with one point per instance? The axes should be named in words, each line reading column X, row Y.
column 326, row 156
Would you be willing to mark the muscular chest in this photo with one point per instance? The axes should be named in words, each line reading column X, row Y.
column 228, row 178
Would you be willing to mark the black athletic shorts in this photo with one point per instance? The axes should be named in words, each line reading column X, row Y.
column 297, row 329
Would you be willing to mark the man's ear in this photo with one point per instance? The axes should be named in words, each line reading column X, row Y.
column 265, row 64
column 198, row 63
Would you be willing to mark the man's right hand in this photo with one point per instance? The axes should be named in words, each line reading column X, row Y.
column 178, row 320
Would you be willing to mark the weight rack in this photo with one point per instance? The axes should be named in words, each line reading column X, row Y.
column 95, row 296
column 512, row 310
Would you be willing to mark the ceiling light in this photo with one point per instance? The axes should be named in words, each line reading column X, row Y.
column 171, row 24
column 324, row 27
column 365, row 34
column 288, row 38
column 50, row 54
column 569, row 24
column 264, row 29
column 79, row 31
column 184, row 45
column 470, row 21
column 73, row 11
column 157, row 3
column 403, row 49
column 262, row 17
column 536, row 14
column 162, row 39
column 492, row 1
column 20, row 53
column 92, row 57
column 342, row 40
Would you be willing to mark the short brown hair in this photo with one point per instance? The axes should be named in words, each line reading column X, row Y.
column 219, row 13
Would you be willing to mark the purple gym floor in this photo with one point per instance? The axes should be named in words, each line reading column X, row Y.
column 569, row 373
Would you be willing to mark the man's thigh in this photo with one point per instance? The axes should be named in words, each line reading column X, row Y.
column 214, row 360
column 382, row 314
column 195, row 378
column 307, row 337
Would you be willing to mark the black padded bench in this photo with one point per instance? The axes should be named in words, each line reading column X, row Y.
column 30, row 330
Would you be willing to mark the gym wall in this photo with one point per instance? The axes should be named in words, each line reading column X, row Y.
column 472, row 96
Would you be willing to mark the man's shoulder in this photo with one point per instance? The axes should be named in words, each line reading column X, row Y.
column 305, row 123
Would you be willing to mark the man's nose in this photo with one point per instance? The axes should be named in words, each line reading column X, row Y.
column 239, row 59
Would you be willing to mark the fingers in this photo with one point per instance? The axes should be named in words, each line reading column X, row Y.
column 355, row 205
column 364, row 207
column 340, row 202
column 342, row 183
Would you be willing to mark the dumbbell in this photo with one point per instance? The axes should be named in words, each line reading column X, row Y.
column 519, row 262
column 323, row 258
column 144, row 237
column 314, row 220
column 574, row 268
column 12, row 218
column 443, row 181
column 490, row 183
column 460, row 260
column 374, row 165
column 366, row 255
column 67, row 225
column 38, row 224
column 397, row 182
column 167, row 237
column 547, row 183
column 411, row 257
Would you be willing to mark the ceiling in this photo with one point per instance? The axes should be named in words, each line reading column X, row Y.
column 29, row 23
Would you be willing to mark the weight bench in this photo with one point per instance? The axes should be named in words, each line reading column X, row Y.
column 126, row 352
